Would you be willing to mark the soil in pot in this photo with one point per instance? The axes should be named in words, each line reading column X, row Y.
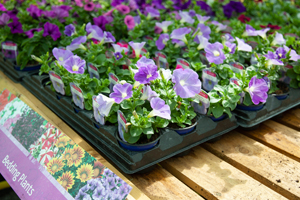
column 283, row 88
column 175, row 126
column 144, row 140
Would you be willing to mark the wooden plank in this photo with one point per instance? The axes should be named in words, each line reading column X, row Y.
column 278, row 137
column 214, row 178
column 160, row 184
column 262, row 163
column 290, row 118
column 40, row 108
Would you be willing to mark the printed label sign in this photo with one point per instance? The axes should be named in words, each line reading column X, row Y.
column 113, row 79
column 235, row 81
column 98, row 117
column 237, row 67
column 202, row 102
column 207, row 74
column 144, row 51
column 209, row 79
column 9, row 49
column 121, row 125
column 93, row 71
column 57, row 83
column 202, row 97
column 183, row 63
column 77, row 96
column 162, row 60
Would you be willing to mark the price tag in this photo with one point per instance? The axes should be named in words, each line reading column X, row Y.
column 202, row 104
column 9, row 49
column 113, row 79
column 57, row 83
column 144, row 51
column 237, row 67
column 122, row 125
column 183, row 63
column 93, row 71
column 77, row 96
column 98, row 117
column 235, row 81
column 202, row 97
column 162, row 60
column 210, row 79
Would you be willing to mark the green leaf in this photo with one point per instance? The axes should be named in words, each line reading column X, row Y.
column 105, row 90
column 247, row 99
column 148, row 131
column 135, row 131
column 126, row 104
column 130, row 139
column 217, row 111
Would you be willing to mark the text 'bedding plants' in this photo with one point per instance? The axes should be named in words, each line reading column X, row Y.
column 148, row 65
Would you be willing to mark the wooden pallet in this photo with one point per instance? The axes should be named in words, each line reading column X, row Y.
column 258, row 164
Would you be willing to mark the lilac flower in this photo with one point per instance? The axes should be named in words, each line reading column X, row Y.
column 146, row 74
column 69, row 30
column 249, row 31
column 192, row 13
column 202, row 19
column 148, row 93
column 181, row 4
column 108, row 37
column 278, row 40
column 166, row 73
column 4, row 18
column 293, row 55
column 15, row 27
column 99, row 192
column 242, row 46
column 231, row 47
column 272, row 59
column 89, row 6
column 258, row 89
column 105, row 104
column 48, row 13
column 115, row 3
column 162, row 41
column 60, row 13
column 52, row 30
column 118, row 55
column 160, row 108
column 263, row 33
column 229, row 38
column 152, row 12
column 74, row 65
column 204, row 6
column 214, row 53
column 202, row 30
column 2, row 8
column 121, row 92
column 220, row 26
column 185, row 17
column 34, row 11
column 187, row 83
column 101, row 21
column 202, row 41
column 158, row 4
column 31, row 32
column 129, row 21
column 137, row 19
column 144, row 62
column 94, row 32
column 232, row 6
column 61, row 55
column 179, row 34
column 281, row 53
column 164, row 25
column 137, row 47
column 118, row 48
column 77, row 43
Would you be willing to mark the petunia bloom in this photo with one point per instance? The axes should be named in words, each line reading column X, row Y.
column 94, row 32
column 143, row 62
column 52, row 30
column 15, row 27
column 89, row 6
column 202, row 19
column 34, row 11
column 2, row 8
column 202, row 41
column 220, row 26
column 258, row 89
column 69, row 30
column 233, row 6
column 4, row 18
column 231, row 47
column 242, row 46
column 101, row 21
column 214, row 53
column 137, row 47
column 105, row 104
column 129, row 21
column 250, row 31
column 185, row 17
column 121, row 92
column 119, row 48
column 166, row 73
column 160, row 108
column 187, row 83
column 293, row 55
column 162, row 40
column 278, row 40
column 123, row 9
column 164, row 25
column 75, row 65
column 179, row 34
column 281, row 53
column 263, row 33
column 204, row 6
column 181, row 4
column 272, row 59
column 202, row 30
column 146, row 74
column 61, row 55
column 118, row 55
column 152, row 12
column 244, row 19
column 148, row 93
column 31, row 32
column 77, row 43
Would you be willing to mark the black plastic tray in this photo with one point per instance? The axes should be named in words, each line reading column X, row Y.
column 16, row 76
column 170, row 143
column 272, row 107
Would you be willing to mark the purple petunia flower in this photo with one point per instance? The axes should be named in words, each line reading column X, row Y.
column 31, row 32
column 229, row 38
column 281, row 53
column 203, row 30
column 118, row 48
column 181, row 4
column 108, row 37
column 258, row 89
column 105, row 104
column 162, row 40
column 13, row 13
column 214, row 53
column 152, row 12
column 185, row 17
column 94, row 32
column 61, row 55
column 34, row 11
column 231, row 47
column 15, row 27
column 69, row 30
column 143, row 62
column 263, row 33
column 89, row 6
column 293, row 55
column 123, row 9
column 233, row 6
column 115, row 3
column 118, row 55
column 249, row 31
column 2, row 8
column 129, row 21
column 202, row 19
column 164, row 25
column 101, row 21
column 160, row 108
column 272, row 59
column 146, row 74
column 137, row 19
column 204, row 6
column 158, row 4
column 242, row 46
column 75, row 65
column 4, row 18
column 137, row 47
column 179, row 34
column 77, row 43
column 187, row 83
column 192, row 13
column 148, row 93
column 220, row 26
column 121, row 92
column 278, row 40
column 52, row 30
column 178, row 43
column 202, row 41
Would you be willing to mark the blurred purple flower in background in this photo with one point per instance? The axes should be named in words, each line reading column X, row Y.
column 100, row 21
column 69, row 30
column 233, row 6
column 31, row 32
column 123, row 9
column 152, row 12
column 158, row 4
column 52, row 30
column 181, row 4
column 203, row 30
column 4, row 18
column 164, row 25
column 89, row 6
column 204, row 6
column 278, row 40
column 185, row 17
column 34, row 11
column 179, row 34
column 249, row 31
column 129, row 21
column 202, row 19
column 77, row 43
column 293, row 55
column 94, row 32
column 15, row 27
column 220, row 26
column 2, row 8
column 162, row 40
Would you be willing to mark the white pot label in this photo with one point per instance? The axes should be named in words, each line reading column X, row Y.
column 93, row 71
column 237, row 67
column 162, row 60
column 98, row 117
column 57, row 83
column 183, row 63
column 122, row 125
column 77, row 96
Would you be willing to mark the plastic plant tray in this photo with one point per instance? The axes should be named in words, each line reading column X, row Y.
column 104, row 138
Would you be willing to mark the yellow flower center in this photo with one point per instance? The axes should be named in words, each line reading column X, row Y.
column 75, row 68
column 74, row 156
column 280, row 54
column 61, row 58
column 96, row 172
column 251, row 89
column 54, row 167
column 124, row 95
column 216, row 53
column 64, row 183
column 182, row 82
column 83, row 175
column 149, row 76
column 67, row 156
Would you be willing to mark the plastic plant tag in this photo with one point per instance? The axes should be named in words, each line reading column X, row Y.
column 162, row 60
column 209, row 79
column 235, row 81
column 109, row 54
column 57, row 83
column 144, row 51
column 77, row 96
column 202, row 102
column 93, row 71
column 98, row 117
column 9, row 49
column 237, row 67
column 183, row 63
column 113, row 79
column 122, row 125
